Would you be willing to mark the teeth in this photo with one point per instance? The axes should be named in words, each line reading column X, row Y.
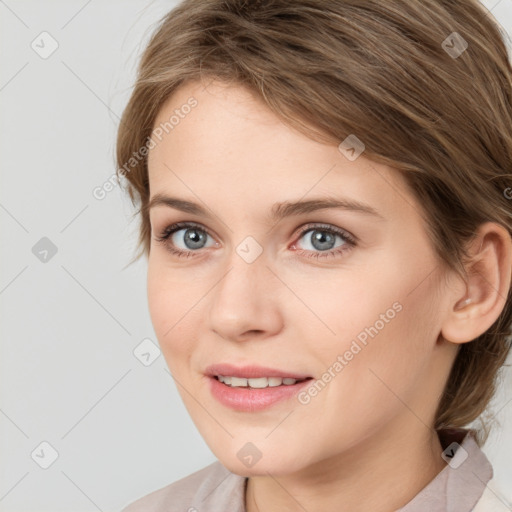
column 258, row 383
column 261, row 382
column 274, row 381
column 238, row 382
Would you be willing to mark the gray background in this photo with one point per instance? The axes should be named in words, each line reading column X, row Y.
column 71, row 320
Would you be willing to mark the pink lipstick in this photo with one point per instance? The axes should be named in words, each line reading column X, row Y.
column 253, row 388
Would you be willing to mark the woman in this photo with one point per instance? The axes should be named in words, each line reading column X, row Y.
column 322, row 189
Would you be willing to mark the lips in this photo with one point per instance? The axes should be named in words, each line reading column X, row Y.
column 242, row 396
column 252, row 372
column 246, row 399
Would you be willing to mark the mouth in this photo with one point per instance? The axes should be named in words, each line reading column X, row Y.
column 253, row 388
column 251, row 372
column 258, row 382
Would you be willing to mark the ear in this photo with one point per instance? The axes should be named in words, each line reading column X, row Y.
column 480, row 299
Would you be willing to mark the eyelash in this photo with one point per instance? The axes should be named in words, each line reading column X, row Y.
column 349, row 240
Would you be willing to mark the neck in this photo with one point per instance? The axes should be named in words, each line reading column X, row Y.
column 380, row 474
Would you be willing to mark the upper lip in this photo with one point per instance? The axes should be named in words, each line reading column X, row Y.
column 251, row 372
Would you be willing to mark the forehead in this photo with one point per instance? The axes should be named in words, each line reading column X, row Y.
column 231, row 145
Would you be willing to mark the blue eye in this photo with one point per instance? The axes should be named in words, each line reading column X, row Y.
column 322, row 240
column 193, row 236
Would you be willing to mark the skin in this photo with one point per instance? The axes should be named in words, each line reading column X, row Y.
column 366, row 441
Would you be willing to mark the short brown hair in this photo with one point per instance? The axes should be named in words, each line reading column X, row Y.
column 388, row 72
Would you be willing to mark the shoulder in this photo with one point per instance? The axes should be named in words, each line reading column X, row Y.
column 492, row 500
column 213, row 485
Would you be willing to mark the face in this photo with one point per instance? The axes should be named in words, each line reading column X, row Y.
column 347, row 297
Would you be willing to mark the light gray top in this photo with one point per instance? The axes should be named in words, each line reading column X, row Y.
column 461, row 486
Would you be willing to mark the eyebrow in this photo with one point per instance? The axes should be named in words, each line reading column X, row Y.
column 279, row 210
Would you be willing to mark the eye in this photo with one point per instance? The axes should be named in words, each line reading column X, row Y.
column 323, row 239
column 193, row 238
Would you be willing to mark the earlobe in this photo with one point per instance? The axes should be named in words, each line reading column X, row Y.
column 486, row 287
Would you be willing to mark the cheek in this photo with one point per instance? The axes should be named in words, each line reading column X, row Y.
column 173, row 315
column 374, row 330
column 391, row 373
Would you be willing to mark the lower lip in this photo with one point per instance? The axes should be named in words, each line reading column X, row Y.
column 250, row 399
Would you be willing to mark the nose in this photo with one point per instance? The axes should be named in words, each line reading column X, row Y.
column 245, row 303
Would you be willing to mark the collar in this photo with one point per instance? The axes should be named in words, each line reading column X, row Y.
column 461, row 483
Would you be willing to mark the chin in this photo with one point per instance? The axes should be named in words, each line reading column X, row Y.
column 275, row 464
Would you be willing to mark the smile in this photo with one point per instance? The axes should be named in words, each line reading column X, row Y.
column 256, row 383
column 253, row 389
